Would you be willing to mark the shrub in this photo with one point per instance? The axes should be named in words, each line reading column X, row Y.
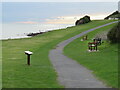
column 83, row 20
column 87, row 19
column 114, row 34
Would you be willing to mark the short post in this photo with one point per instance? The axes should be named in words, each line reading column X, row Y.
column 28, row 53
column 85, row 37
column 28, row 60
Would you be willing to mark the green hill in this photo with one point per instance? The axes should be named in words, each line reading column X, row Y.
column 41, row 74
column 103, row 63
column 114, row 15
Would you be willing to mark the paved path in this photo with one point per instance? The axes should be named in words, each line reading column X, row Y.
column 70, row 73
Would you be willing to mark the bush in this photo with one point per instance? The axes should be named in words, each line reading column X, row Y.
column 83, row 20
column 114, row 34
column 87, row 19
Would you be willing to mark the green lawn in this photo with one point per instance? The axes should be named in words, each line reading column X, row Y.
column 41, row 74
column 103, row 63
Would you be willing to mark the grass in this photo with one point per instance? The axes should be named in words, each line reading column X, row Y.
column 104, row 63
column 41, row 74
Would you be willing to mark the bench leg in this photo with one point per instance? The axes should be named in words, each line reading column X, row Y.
column 96, row 48
column 89, row 48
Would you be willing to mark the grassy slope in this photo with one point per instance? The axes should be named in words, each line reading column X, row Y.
column 104, row 63
column 16, row 74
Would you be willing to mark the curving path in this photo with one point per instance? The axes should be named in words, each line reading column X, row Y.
column 70, row 73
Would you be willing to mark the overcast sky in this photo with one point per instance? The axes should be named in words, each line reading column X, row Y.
column 60, row 0
column 51, row 12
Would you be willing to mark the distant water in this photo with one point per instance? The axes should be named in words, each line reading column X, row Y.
column 17, row 30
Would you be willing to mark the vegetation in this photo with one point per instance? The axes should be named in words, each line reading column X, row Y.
column 83, row 20
column 41, row 74
column 114, row 34
column 114, row 15
column 103, row 63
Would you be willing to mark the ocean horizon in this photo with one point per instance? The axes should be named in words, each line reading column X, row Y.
column 14, row 31
column 21, row 18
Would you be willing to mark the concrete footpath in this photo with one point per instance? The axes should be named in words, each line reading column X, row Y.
column 70, row 73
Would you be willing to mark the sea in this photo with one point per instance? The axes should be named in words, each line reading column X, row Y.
column 19, row 30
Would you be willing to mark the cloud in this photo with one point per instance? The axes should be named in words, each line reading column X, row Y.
column 27, row 22
column 67, row 19
column 62, row 20
column 72, row 19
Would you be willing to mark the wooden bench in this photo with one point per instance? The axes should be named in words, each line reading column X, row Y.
column 92, row 46
column 97, row 40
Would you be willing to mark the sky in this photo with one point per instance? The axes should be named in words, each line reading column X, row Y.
column 60, row 0
column 54, row 12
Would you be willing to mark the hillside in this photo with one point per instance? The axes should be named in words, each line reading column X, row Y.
column 41, row 73
column 103, row 63
column 114, row 15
